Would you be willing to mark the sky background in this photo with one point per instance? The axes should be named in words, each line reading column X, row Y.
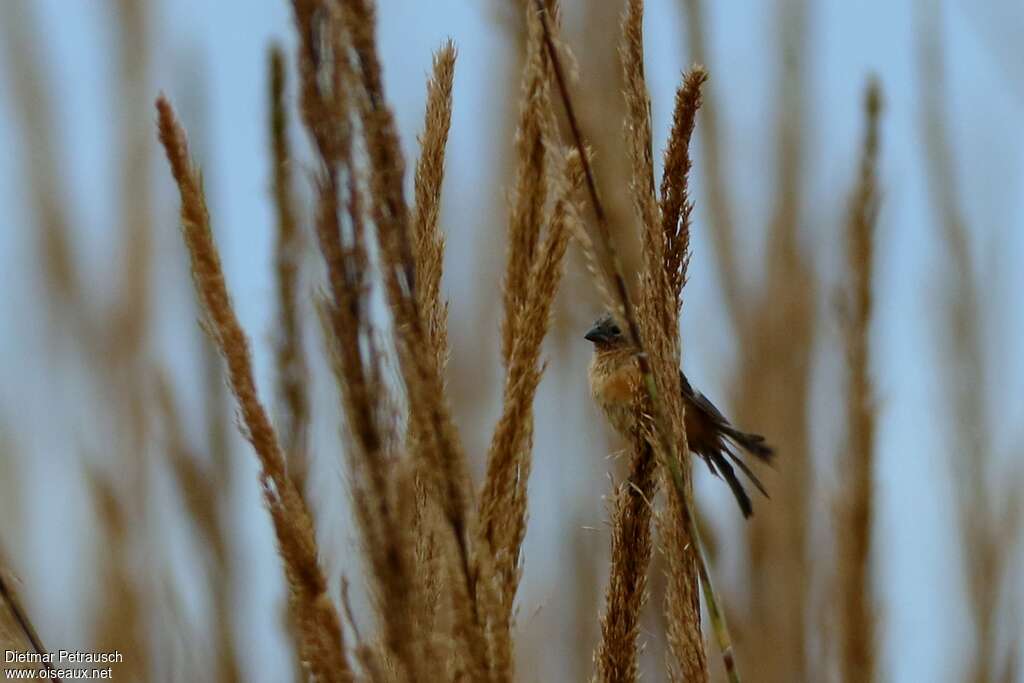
column 209, row 58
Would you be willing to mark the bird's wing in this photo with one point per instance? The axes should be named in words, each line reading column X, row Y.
column 752, row 443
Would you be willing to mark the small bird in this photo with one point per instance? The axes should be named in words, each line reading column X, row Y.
column 615, row 382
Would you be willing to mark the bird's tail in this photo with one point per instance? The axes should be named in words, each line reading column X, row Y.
column 719, row 462
column 751, row 443
column 720, row 465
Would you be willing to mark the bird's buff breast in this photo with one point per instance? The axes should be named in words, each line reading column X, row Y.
column 614, row 382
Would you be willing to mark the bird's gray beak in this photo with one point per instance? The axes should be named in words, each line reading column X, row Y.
column 596, row 335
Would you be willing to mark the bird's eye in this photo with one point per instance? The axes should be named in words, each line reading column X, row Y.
column 615, row 330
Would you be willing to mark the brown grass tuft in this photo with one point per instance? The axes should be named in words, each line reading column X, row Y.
column 321, row 637
column 428, row 250
column 657, row 323
column 292, row 374
column 626, row 595
column 658, row 317
column 989, row 522
column 428, row 253
column 638, row 111
column 405, row 601
column 529, row 190
column 775, row 332
column 504, row 486
column 676, row 207
column 429, row 411
column 856, row 512
column 503, row 499
column 444, row 554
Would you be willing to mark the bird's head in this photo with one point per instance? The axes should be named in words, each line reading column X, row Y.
column 606, row 334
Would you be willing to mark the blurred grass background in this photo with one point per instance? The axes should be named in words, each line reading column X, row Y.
column 101, row 357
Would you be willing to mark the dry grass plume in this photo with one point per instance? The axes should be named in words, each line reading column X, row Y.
column 857, row 507
column 319, row 625
column 448, row 589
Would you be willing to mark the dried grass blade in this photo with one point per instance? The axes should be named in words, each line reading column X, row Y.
column 503, row 499
column 428, row 248
column 529, row 191
column 667, row 455
column 417, row 361
column 292, row 373
column 856, row 511
column 428, row 253
column 626, row 595
column 321, row 636
column 676, row 207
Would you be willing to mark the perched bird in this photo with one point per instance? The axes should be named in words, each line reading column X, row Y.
column 615, row 382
